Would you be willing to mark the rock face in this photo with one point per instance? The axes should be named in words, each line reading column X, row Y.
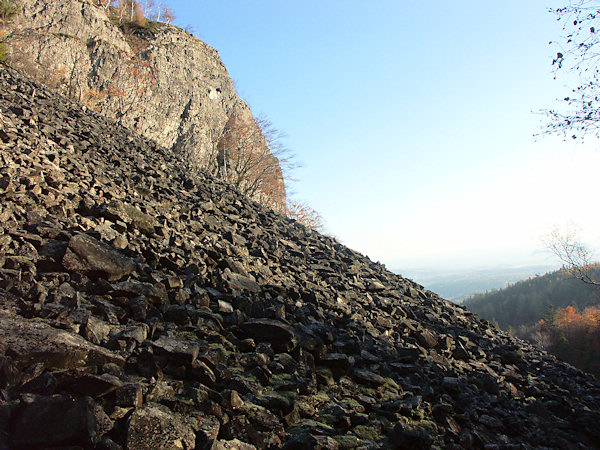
column 224, row 324
column 160, row 81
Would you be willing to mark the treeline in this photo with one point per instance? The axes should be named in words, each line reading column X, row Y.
column 572, row 336
column 138, row 12
column 526, row 302
column 554, row 311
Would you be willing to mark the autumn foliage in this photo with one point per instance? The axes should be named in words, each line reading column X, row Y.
column 574, row 336
column 137, row 12
column 252, row 159
column 304, row 214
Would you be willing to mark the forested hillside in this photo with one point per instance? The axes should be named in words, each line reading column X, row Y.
column 527, row 301
column 555, row 311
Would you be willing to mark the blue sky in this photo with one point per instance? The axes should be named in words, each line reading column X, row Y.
column 414, row 121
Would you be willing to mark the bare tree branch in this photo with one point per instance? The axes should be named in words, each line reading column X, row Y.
column 575, row 256
column 578, row 51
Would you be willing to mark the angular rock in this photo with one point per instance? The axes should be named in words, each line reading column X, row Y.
column 32, row 342
column 241, row 283
column 337, row 362
column 130, row 214
column 88, row 255
column 178, row 350
column 305, row 441
column 234, row 444
column 156, row 426
column 279, row 334
column 408, row 436
column 54, row 421
column 368, row 377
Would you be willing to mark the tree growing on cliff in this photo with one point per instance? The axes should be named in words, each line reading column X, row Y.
column 253, row 158
column 7, row 11
column 304, row 214
column 132, row 81
column 137, row 12
column 578, row 51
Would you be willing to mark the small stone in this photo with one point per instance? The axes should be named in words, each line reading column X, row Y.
column 367, row 377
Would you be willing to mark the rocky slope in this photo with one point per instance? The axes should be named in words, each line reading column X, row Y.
column 144, row 308
column 158, row 80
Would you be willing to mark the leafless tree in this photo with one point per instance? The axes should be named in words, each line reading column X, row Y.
column 254, row 159
column 575, row 255
column 578, row 51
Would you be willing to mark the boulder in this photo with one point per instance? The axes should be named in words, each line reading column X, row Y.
column 156, row 426
column 281, row 335
column 54, row 421
column 34, row 342
column 88, row 255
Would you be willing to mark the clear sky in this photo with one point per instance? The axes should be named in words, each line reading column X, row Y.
column 414, row 121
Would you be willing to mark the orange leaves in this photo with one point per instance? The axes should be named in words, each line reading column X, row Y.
column 251, row 157
column 575, row 337
column 131, row 82
column 304, row 214
column 568, row 317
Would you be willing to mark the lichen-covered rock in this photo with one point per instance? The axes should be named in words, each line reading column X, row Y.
column 155, row 426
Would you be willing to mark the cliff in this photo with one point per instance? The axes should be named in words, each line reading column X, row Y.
column 157, row 79
column 142, row 306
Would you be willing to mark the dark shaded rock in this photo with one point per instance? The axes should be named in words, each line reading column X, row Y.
column 129, row 395
column 156, row 293
column 279, row 334
column 88, row 384
column 337, row 362
column 408, row 354
column 367, row 377
column 408, row 436
column 202, row 373
column 58, row 420
column 88, row 255
column 305, row 441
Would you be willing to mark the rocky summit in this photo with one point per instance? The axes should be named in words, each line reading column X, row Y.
column 143, row 307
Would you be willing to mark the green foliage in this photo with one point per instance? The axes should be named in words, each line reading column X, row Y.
column 7, row 10
column 145, row 30
column 525, row 303
column 3, row 51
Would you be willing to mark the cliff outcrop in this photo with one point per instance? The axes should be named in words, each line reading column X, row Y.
column 142, row 307
column 158, row 80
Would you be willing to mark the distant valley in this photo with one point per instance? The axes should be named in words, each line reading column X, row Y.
column 457, row 285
